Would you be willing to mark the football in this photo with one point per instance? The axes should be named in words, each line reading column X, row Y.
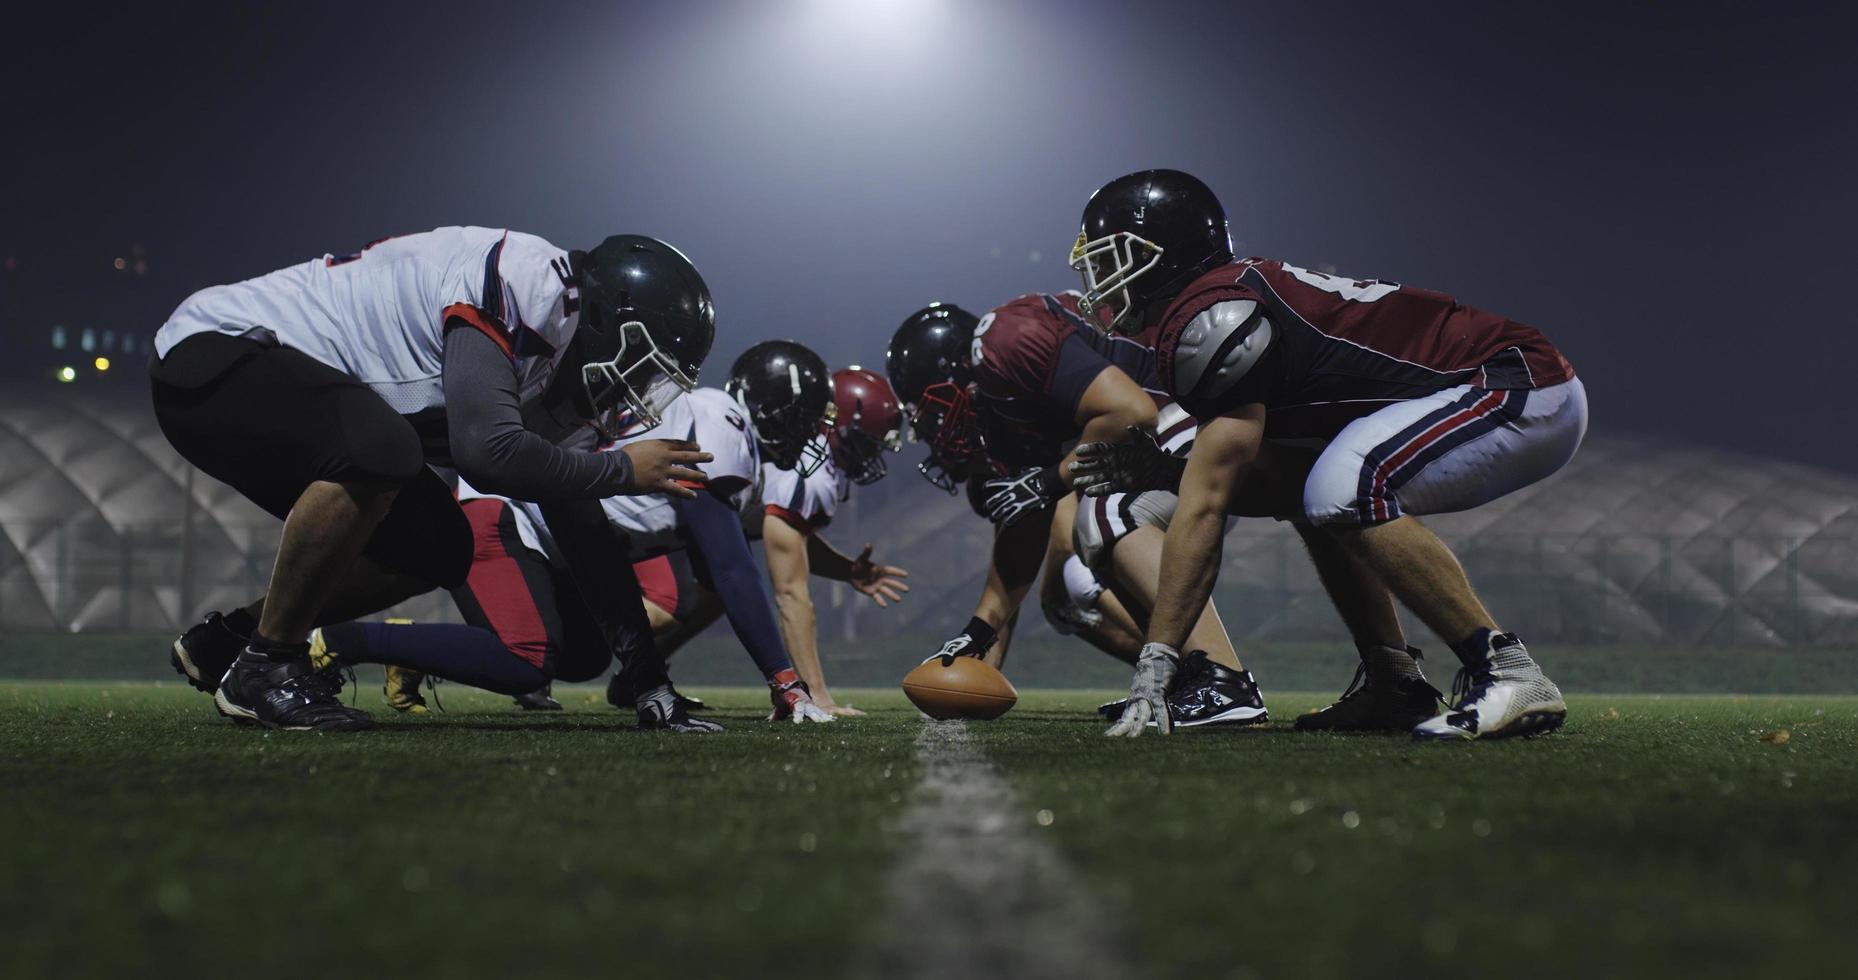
column 966, row 688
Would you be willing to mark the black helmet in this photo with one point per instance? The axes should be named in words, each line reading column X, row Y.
column 929, row 368
column 785, row 390
column 646, row 324
column 1145, row 237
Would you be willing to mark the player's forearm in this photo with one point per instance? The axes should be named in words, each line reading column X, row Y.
column 1191, row 554
column 799, row 626
column 492, row 448
column 716, row 533
column 828, row 562
column 1018, row 552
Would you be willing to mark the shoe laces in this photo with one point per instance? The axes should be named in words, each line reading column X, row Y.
column 1470, row 684
column 432, row 688
column 1359, row 685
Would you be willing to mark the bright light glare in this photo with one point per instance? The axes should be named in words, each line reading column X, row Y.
column 67, row 373
column 103, row 363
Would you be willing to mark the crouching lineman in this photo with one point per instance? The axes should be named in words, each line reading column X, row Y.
column 797, row 503
column 522, row 618
column 1424, row 405
column 322, row 391
column 999, row 400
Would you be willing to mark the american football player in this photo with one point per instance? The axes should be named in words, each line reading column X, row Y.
column 525, row 615
column 322, row 391
column 796, row 507
column 1420, row 405
column 999, row 400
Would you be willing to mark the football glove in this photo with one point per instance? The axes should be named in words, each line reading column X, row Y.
column 973, row 641
column 1148, row 692
column 1010, row 498
column 661, row 709
column 792, row 701
column 1132, row 466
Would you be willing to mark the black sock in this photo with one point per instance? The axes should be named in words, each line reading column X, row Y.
column 1474, row 650
column 241, row 622
column 258, row 648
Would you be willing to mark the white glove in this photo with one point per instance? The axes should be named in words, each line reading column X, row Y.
column 807, row 711
column 1148, row 692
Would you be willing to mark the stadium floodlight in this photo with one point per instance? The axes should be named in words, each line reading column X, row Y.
column 102, row 363
column 67, row 374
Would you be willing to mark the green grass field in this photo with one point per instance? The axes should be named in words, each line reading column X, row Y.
column 1673, row 836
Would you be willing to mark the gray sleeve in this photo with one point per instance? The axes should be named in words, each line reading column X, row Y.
column 484, row 424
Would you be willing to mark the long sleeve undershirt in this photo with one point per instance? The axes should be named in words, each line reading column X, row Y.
column 491, row 447
column 716, row 535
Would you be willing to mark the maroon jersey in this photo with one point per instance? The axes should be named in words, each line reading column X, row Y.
column 1033, row 358
column 1345, row 348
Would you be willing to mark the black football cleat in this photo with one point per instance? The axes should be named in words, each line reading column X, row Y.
column 1374, row 703
column 1208, row 693
column 287, row 695
column 540, row 699
column 205, row 652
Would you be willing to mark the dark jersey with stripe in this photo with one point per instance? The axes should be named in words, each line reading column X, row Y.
column 1345, row 348
column 1033, row 359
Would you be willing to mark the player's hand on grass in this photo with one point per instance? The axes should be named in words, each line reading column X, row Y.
column 1133, row 465
column 665, row 466
column 1148, row 693
column 660, row 710
column 883, row 583
column 792, row 701
column 842, row 711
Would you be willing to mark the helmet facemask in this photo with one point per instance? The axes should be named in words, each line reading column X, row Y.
column 786, row 436
column 640, row 375
column 1109, row 265
column 945, row 420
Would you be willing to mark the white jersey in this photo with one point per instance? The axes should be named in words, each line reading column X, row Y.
column 380, row 314
column 807, row 503
column 649, row 524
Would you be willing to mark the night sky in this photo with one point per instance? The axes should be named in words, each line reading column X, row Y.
column 1669, row 195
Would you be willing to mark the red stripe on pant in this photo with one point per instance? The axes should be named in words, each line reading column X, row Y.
column 658, row 580
column 1484, row 406
column 497, row 583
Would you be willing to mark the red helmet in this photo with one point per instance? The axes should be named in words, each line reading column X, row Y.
column 867, row 421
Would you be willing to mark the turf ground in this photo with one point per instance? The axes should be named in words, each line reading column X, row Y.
column 1670, row 836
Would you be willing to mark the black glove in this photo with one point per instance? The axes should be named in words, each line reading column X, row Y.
column 1131, row 466
column 1011, row 498
column 974, row 641
column 661, row 709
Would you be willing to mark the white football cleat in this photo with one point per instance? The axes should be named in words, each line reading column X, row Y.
column 1505, row 696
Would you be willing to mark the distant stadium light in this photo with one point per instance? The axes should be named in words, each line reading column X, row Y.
column 103, row 363
column 67, row 374
column 58, row 338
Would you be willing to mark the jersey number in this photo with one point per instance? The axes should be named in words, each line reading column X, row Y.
column 980, row 330
column 1359, row 290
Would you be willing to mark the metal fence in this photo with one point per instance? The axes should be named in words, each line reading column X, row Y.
column 87, row 574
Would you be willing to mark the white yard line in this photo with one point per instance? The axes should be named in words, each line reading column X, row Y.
column 978, row 892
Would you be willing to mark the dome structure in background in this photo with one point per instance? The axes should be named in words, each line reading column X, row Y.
column 103, row 526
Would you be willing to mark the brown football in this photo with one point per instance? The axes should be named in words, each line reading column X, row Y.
column 966, row 688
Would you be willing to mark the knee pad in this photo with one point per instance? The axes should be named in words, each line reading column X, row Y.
column 1077, row 610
